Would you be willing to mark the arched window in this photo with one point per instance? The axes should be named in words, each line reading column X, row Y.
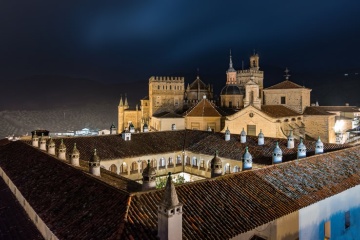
column 113, row 168
column 178, row 159
column 202, row 164
column 158, row 87
column 143, row 165
column 236, row 169
column 134, row 167
column 153, row 163
column 162, row 163
column 170, row 162
column 123, row 168
column 170, row 87
column 227, row 168
column 194, row 162
column 187, row 161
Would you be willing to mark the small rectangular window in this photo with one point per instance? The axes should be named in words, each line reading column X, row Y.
column 347, row 219
column 283, row 101
column 251, row 130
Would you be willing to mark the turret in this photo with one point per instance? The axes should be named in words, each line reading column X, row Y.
column 254, row 62
column 261, row 138
column 112, row 129
column 216, row 166
column 319, row 146
column 35, row 140
column 231, row 73
column 243, row 136
column 94, row 164
column 126, row 104
column 74, row 156
column 247, row 160
column 149, row 177
column 51, row 147
column 290, row 140
column 42, row 142
column 170, row 213
column 301, row 150
column 227, row 134
column 145, row 128
column 277, row 154
column 62, row 150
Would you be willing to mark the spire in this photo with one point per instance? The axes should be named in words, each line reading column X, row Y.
column 231, row 68
column 126, row 101
column 198, row 75
column 287, row 75
column 170, row 198
column 121, row 101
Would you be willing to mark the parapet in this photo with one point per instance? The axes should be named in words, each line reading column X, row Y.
column 166, row 79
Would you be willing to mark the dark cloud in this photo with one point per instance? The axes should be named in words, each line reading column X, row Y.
column 112, row 41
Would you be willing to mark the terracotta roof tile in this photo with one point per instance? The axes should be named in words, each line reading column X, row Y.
column 337, row 108
column 204, row 108
column 316, row 111
column 278, row 111
column 285, row 85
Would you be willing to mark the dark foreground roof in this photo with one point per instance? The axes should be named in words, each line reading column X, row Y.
column 14, row 222
column 76, row 205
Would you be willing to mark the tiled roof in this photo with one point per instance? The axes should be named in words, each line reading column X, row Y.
column 167, row 115
column 285, row 85
column 316, row 111
column 204, row 108
column 338, row 108
column 73, row 204
column 14, row 222
column 232, row 204
column 113, row 146
column 76, row 205
column 278, row 111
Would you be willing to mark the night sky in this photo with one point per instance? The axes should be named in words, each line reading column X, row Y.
column 125, row 41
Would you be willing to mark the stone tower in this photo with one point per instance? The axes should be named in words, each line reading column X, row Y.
column 252, row 92
column 165, row 94
column 170, row 213
column 230, row 73
column 121, row 115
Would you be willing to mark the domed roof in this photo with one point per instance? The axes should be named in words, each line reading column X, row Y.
column 149, row 171
column 232, row 89
column 277, row 149
column 95, row 157
column 247, row 155
column 216, row 160
column 75, row 150
column 301, row 145
column 319, row 142
column 62, row 145
column 243, row 133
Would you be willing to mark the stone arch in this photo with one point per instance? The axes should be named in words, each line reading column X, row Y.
column 134, row 167
column 227, row 168
column 123, row 168
column 236, row 169
column 113, row 168
column 143, row 165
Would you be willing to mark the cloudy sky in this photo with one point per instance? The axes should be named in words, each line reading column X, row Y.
column 125, row 41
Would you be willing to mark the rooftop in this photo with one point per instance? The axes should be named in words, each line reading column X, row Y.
column 80, row 206
column 278, row 111
column 285, row 85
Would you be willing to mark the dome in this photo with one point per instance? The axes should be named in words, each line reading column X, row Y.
column 216, row 160
column 243, row 133
column 149, row 171
column 232, row 90
column 277, row 150
column 51, row 142
column 75, row 150
column 247, row 155
column 62, row 145
column 301, row 145
column 95, row 157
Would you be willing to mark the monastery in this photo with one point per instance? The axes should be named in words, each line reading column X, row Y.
column 256, row 187
column 244, row 104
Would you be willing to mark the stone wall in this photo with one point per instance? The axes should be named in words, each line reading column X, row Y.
column 320, row 125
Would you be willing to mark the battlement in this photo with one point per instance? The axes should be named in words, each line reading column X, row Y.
column 250, row 71
column 166, row 79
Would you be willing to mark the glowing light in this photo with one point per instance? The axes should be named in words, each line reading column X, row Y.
column 339, row 126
